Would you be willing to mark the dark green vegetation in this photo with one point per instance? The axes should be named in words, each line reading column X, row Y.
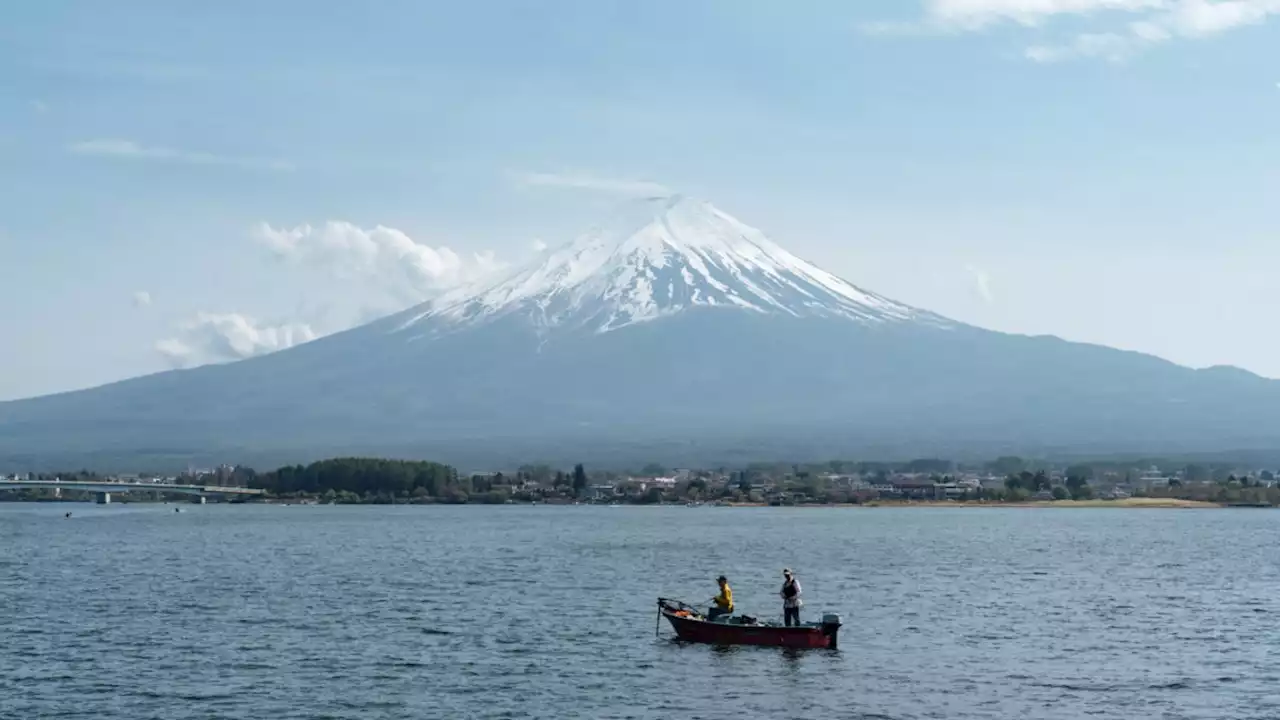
column 358, row 480
column 1006, row 479
column 1003, row 480
column 368, row 479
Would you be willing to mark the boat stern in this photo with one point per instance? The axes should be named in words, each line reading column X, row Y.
column 831, row 624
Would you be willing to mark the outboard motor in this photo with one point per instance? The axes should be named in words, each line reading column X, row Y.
column 831, row 628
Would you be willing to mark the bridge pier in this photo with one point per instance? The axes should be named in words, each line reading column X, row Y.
column 198, row 499
column 104, row 498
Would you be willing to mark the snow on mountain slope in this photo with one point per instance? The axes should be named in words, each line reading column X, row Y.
column 657, row 258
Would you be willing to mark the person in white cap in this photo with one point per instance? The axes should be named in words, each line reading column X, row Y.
column 791, row 601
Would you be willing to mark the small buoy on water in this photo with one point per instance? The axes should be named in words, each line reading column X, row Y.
column 68, row 515
column 177, row 509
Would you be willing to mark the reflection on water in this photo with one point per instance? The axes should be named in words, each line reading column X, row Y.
column 545, row 612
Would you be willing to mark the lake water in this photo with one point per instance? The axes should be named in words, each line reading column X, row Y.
column 219, row 611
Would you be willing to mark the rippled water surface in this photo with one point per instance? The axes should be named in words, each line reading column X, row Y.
column 548, row 612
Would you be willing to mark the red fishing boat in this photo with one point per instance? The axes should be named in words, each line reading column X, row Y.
column 692, row 626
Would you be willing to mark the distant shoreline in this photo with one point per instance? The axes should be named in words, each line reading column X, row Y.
column 1127, row 503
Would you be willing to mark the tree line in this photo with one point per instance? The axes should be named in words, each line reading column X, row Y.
column 379, row 480
column 365, row 477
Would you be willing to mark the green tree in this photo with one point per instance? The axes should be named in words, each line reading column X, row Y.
column 1008, row 465
column 366, row 477
column 928, row 465
column 1196, row 473
column 873, row 468
column 541, row 474
column 579, row 479
column 1016, row 494
column 494, row 497
column 1078, row 486
column 1082, row 471
column 1060, row 493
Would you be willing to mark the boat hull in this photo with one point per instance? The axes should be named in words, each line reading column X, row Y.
column 714, row 633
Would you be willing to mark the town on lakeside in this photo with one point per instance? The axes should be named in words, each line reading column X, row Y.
column 1006, row 480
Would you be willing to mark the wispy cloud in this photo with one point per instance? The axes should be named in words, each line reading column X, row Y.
column 1116, row 29
column 141, row 298
column 976, row 14
column 981, row 282
column 128, row 149
column 120, row 65
column 1112, row 47
column 583, row 181
column 225, row 337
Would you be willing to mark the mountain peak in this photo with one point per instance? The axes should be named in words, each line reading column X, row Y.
column 654, row 258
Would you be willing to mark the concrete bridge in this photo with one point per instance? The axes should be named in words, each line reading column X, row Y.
column 104, row 489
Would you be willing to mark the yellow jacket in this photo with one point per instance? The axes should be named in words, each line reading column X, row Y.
column 725, row 598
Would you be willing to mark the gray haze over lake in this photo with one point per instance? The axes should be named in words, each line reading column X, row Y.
column 131, row 612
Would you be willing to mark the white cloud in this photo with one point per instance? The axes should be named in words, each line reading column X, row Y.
column 981, row 282
column 1117, row 29
column 129, row 149
column 1197, row 18
column 223, row 337
column 539, row 246
column 176, row 352
column 381, row 270
column 141, row 298
column 974, row 14
column 582, row 181
column 1104, row 46
column 384, row 259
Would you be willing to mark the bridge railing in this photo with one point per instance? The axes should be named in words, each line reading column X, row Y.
column 90, row 485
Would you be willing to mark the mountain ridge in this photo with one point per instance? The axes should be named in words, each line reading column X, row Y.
column 586, row 349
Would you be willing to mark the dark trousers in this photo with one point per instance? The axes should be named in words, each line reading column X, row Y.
column 790, row 614
column 716, row 611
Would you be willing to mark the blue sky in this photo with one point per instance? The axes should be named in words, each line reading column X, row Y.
column 199, row 183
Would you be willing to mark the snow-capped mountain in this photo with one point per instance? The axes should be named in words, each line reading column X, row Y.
column 671, row 333
column 656, row 258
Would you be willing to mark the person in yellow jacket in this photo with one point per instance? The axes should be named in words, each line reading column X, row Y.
column 723, row 602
